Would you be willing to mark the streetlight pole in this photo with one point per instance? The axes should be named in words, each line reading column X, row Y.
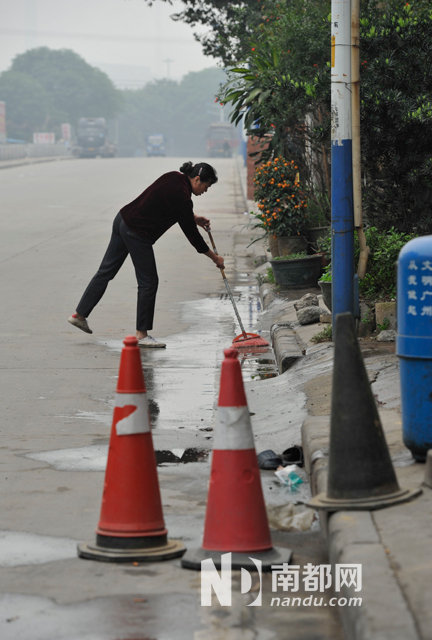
column 341, row 159
column 168, row 63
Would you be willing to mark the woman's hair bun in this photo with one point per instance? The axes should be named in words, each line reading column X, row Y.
column 203, row 170
column 187, row 168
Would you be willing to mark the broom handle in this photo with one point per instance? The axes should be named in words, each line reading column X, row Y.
column 227, row 287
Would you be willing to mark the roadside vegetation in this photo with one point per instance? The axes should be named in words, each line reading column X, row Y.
column 45, row 88
column 277, row 57
column 277, row 53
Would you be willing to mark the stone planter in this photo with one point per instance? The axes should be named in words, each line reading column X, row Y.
column 385, row 314
column 313, row 234
column 326, row 290
column 291, row 244
column 297, row 273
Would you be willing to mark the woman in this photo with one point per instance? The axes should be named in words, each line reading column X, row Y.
column 136, row 228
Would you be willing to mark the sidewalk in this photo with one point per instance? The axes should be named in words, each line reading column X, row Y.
column 19, row 162
column 393, row 544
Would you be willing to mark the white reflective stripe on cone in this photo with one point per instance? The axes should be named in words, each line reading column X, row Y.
column 138, row 420
column 233, row 429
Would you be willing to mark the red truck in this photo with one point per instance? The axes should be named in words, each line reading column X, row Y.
column 222, row 140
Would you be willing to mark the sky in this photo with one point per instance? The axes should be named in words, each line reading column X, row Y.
column 132, row 42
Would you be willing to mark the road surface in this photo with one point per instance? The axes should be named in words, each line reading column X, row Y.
column 57, row 398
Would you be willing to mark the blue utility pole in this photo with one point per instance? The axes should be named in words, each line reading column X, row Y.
column 342, row 224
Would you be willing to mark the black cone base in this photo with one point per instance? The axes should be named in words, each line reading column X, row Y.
column 172, row 549
column 322, row 501
column 277, row 555
column 361, row 473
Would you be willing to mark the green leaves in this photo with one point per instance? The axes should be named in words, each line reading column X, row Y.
column 396, row 115
column 46, row 87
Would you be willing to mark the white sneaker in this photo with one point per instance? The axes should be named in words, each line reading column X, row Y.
column 150, row 343
column 81, row 323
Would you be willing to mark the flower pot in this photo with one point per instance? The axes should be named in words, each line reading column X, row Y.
column 326, row 290
column 297, row 273
column 291, row 244
column 273, row 245
column 313, row 234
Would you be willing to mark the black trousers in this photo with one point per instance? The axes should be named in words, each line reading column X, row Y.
column 124, row 241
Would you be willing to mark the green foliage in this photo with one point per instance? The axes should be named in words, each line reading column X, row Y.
column 396, row 114
column 64, row 88
column 27, row 104
column 380, row 279
column 280, row 198
column 326, row 335
column 384, row 325
column 270, row 276
column 293, row 256
column 319, row 208
column 283, row 89
column 327, row 274
column 227, row 25
column 324, row 245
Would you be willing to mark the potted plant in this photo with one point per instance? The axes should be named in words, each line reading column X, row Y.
column 282, row 204
column 318, row 219
column 297, row 270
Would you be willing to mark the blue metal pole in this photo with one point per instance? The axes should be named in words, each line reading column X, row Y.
column 342, row 223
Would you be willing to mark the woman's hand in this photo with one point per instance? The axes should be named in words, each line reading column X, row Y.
column 203, row 222
column 219, row 261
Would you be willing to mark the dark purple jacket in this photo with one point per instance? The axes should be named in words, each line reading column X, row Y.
column 167, row 201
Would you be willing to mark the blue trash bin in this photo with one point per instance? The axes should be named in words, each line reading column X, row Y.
column 414, row 343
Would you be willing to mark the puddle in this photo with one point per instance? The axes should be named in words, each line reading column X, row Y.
column 91, row 458
column 258, row 366
column 17, row 548
column 183, row 381
column 94, row 457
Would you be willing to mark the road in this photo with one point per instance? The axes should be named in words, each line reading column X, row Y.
column 57, row 398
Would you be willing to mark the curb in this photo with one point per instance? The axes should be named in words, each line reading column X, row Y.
column 285, row 345
column 351, row 537
column 283, row 337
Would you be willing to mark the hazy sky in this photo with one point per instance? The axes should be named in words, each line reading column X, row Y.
column 126, row 38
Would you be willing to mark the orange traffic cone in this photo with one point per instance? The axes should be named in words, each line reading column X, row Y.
column 131, row 525
column 236, row 518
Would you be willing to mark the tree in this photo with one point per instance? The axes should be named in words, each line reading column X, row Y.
column 396, row 114
column 227, row 25
column 27, row 104
column 181, row 111
column 70, row 87
column 283, row 90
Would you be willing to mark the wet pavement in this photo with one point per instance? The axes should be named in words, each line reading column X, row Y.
column 59, row 397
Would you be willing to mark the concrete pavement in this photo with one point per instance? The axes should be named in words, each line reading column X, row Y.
column 393, row 544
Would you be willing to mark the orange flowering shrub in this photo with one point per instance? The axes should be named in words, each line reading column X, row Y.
column 281, row 200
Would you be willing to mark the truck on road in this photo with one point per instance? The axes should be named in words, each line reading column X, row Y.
column 155, row 145
column 222, row 140
column 92, row 139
